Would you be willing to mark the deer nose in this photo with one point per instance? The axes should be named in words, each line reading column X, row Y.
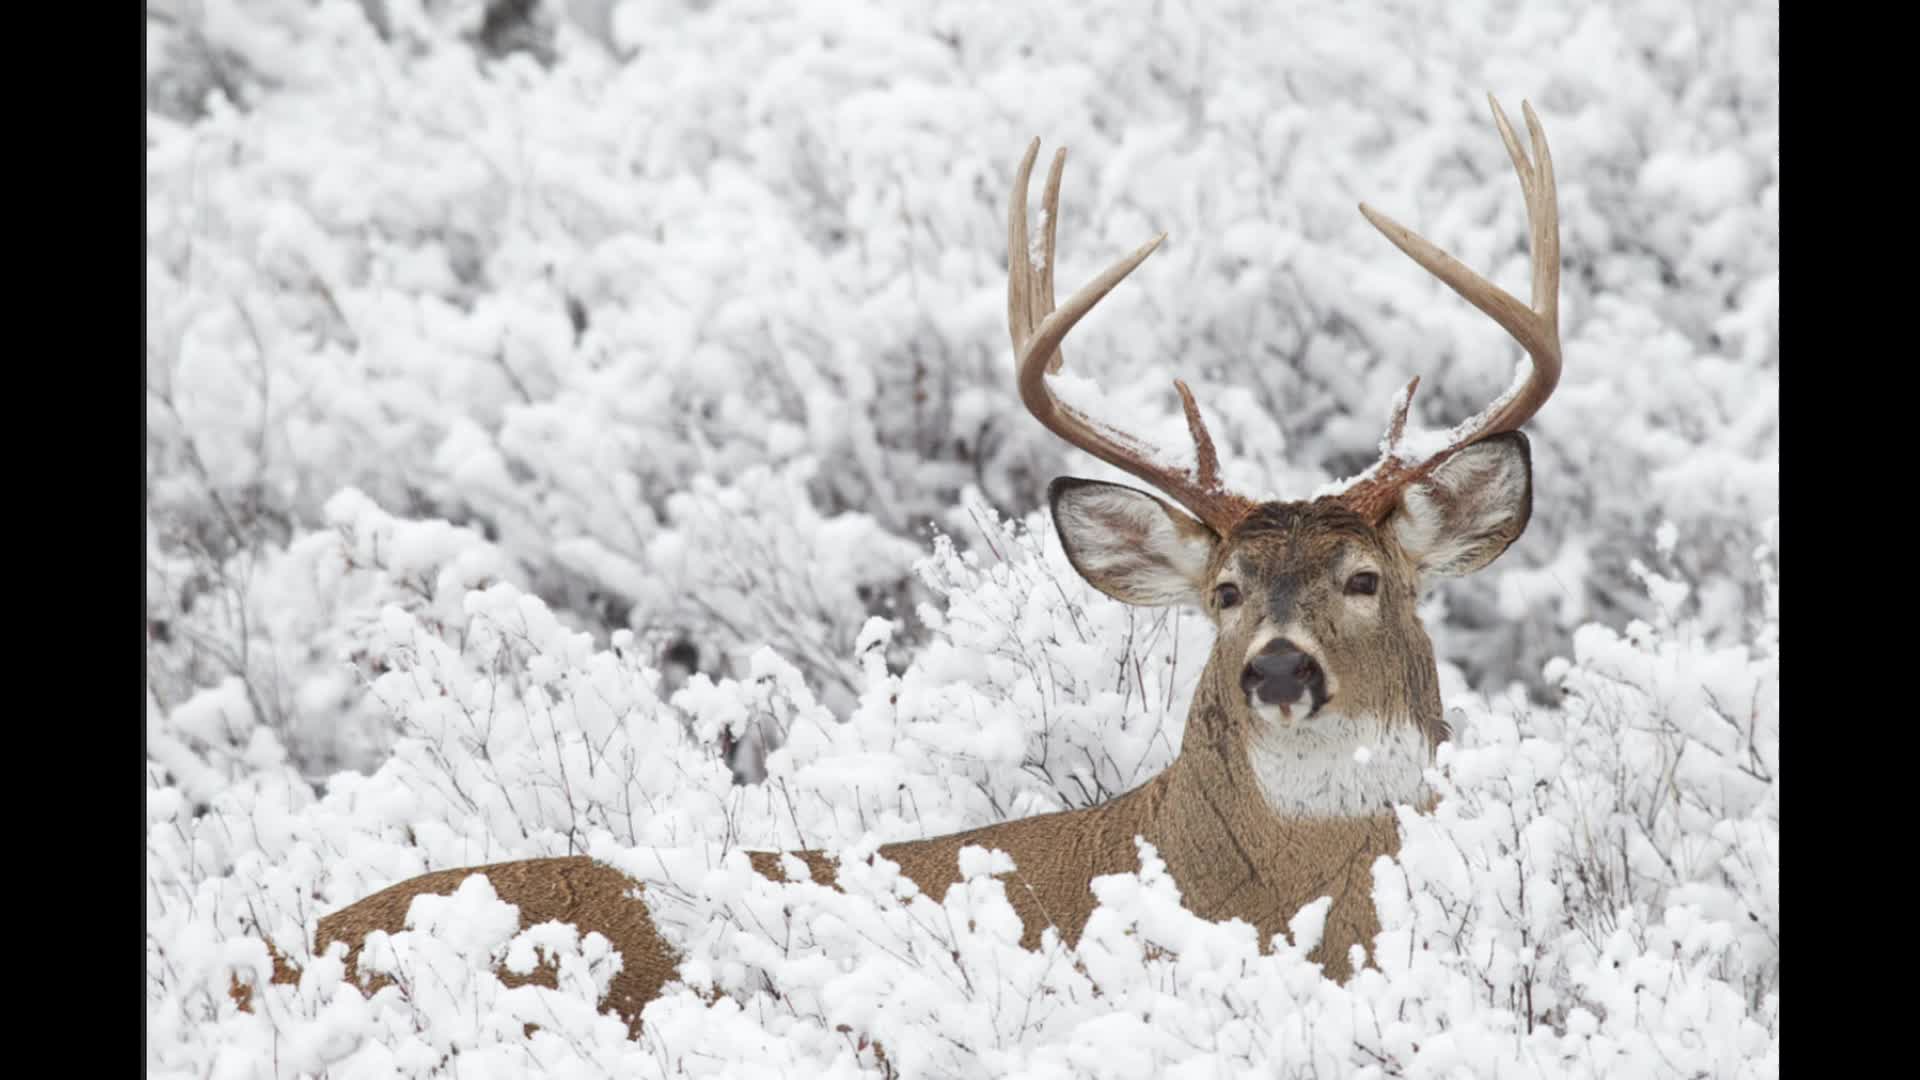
column 1281, row 672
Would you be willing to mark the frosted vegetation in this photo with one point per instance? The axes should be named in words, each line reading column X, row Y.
column 589, row 427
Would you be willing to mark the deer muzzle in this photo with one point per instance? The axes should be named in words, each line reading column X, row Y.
column 1283, row 674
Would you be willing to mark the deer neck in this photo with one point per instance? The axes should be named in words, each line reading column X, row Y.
column 1337, row 766
column 1255, row 825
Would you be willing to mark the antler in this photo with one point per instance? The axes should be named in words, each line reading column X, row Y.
column 1535, row 327
column 1038, row 328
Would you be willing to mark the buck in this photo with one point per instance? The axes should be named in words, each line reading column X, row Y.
column 1319, row 707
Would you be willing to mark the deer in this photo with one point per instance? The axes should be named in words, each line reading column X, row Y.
column 1318, row 710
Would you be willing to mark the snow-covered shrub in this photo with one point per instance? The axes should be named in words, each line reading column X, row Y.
column 1597, row 893
column 539, row 292
column 495, row 347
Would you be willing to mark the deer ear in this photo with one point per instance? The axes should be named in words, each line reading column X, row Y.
column 1130, row 545
column 1461, row 516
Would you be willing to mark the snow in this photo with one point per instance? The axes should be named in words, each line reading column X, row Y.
column 478, row 379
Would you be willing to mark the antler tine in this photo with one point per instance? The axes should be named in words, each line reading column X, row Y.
column 1020, row 321
column 1037, row 329
column 1536, row 327
column 1050, row 209
column 1543, row 250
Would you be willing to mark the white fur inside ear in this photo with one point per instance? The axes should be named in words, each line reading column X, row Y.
column 1463, row 515
column 1418, row 523
column 1128, row 545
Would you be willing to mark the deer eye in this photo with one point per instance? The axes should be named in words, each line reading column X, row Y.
column 1364, row 583
column 1226, row 595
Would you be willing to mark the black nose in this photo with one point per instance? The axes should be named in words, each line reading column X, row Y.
column 1280, row 672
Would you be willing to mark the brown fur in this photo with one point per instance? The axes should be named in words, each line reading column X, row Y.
column 1231, row 855
column 575, row 889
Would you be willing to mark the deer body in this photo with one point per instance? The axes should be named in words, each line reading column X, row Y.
column 1318, row 709
column 1231, row 860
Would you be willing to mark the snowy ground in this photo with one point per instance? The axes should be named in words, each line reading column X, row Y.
column 502, row 371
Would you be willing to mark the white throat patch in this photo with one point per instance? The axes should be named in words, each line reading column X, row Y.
column 1337, row 766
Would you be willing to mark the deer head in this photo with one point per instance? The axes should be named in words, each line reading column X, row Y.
column 1320, row 647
